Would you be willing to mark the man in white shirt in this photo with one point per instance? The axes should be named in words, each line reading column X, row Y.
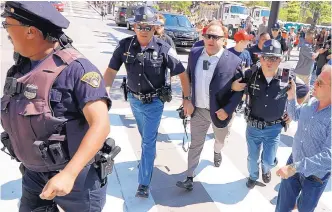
column 211, row 70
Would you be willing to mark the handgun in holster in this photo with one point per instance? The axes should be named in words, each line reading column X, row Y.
column 104, row 160
column 124, row 88
column 7, row 145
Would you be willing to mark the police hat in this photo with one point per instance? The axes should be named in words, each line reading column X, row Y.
column 145, row 15
column 41, row 14
column 275, row 26
column 271, row 48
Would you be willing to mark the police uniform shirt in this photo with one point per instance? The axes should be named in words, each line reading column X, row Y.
column 79, row 83
column 158, row 56
column 261, row 97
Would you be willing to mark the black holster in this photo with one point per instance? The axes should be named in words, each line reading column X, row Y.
column 165, row 94
column 104, row 160
column 7, row 145
column 124, row 88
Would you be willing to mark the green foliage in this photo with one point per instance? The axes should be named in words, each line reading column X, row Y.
column 181, row 6
column 300, row 11
column 257, row 3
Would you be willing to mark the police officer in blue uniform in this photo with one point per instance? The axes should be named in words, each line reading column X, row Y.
column 265, row 115
column 146, row 59
column 276, row 35
column 54, row 100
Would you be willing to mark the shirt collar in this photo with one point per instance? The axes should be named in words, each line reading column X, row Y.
column 152, row 45
column 218, row 54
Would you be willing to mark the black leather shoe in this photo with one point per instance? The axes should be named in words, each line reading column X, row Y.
column 217, row 159
column 266, row 177
column 142, row 191
column 251, row 183
column 187, row 184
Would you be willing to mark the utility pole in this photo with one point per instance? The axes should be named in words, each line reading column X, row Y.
column 275, row 6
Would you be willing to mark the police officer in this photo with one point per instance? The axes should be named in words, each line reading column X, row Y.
column 265, row 115
column 276, row 35
column 54, row 112
column 146, row 58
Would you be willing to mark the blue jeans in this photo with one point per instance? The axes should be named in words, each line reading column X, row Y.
column 300, row 190
column 269, row 137
column 148, row 118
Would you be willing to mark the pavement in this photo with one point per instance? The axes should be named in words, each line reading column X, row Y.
column 215, row 189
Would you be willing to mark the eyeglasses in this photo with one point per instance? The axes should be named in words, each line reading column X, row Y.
column 271, row 58
column 214, row 37
column 5, row 25
column 146, row 28
column 275, row 29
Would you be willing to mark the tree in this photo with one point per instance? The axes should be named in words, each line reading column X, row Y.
column 257, row 3
column 321, row 12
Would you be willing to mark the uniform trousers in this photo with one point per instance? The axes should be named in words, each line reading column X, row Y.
column 87, row 195
column 148, row 118
column 269, row 137
column 199, row 125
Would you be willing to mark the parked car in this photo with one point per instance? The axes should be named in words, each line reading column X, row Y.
column 129, row 17
column 120, row 18
column 179, row 28
column 60, row 6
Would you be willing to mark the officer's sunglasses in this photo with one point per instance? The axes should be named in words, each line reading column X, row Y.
column 271, row 58
column 214, row 37
column 5, row 25
column 146, row 28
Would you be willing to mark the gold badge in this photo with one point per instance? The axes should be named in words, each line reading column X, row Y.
column 92, row 78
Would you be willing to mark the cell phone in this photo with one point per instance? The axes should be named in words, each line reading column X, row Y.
column 284, row 77
column 243, row 64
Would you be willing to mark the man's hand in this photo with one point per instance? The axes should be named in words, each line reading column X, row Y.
column 59, row 185
column 237, row 86
column 292, row 91
column 188, row 107
column 222, row 115
column 322, row 50
column 286, row 118
column 286, row 172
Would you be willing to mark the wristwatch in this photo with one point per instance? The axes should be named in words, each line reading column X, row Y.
column 187, row 98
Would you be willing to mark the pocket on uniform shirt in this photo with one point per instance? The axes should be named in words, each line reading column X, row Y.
column 155, row 65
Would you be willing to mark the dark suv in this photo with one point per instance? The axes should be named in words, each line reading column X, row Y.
column 179, row 28
column 120, row 18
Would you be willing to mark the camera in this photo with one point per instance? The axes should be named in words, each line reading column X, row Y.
column 181, row 112
column 165, row 94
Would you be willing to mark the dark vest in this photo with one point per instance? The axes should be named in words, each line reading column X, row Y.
column 28, row 117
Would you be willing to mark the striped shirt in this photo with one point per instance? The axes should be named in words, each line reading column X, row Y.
column 312, row 141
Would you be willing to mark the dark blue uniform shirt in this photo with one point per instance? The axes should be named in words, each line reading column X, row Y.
column 69, row 93
column 261, row 97
column 158, row 56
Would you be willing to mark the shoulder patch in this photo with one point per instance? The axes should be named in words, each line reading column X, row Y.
column 172, row 52
column 92, row 78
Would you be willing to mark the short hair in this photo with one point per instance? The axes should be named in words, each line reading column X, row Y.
column 216, row 23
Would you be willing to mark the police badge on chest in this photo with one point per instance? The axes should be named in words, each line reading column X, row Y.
column 30, row 91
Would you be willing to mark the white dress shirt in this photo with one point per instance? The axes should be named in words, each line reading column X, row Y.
column 203, row 78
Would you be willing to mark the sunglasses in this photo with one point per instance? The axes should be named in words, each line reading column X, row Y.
column 146, row 28
column 5, row 25
column 214, row 37
column 271, row 58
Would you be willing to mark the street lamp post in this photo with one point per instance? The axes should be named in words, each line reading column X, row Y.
column 275, row 6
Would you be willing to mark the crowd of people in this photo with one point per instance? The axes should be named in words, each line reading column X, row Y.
column 54, row 110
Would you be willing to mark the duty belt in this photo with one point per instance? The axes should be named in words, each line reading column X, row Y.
column 253, row 122
column 143, row 96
